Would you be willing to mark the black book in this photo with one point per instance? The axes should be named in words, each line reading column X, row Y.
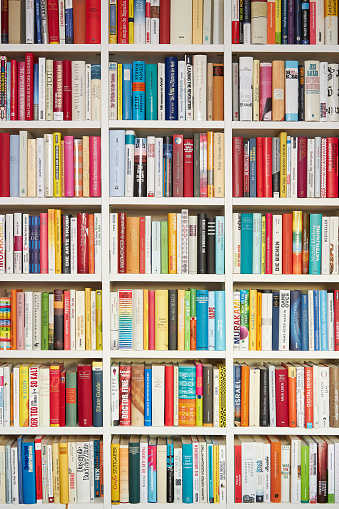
column 140, row 168
column 241, row 22
column 305, row 22
column 196, row 161
column 134, row 469
column 66, row 243
column 58, row 320
column 173, row 319
column 207, row 391
column 202, row 245
column 301, row 93
column 170, row 471
column 264, row 409
column 210, row 265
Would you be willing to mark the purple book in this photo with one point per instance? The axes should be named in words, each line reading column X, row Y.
column 34, row 244
column 302, row 168
column 290, row 22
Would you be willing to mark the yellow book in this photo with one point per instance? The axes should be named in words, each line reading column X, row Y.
column 51, row 241
column 24, row 393
column 56, row 470
column 31, row 168
column 259, row 307
column 222, row 395
column 98, row 303
column 146, row 319
column 161, row 319
column 256, row 87
column 130, row 21
column 58, row 241
column 263, row 244
column 172, row 243
column 210, row 176
column 253, row 320
column 119, row 91
column 88, row 339
column 199, row 411
column 278, row 21
column 115, row 462
column 62, row 168
column 219, row 165
column 85, row 166
column 283, row 165
column 216, row 478
column 331, row 21
column 63, row 465
column 181, row 319
column 197, row 21
column 56, row 164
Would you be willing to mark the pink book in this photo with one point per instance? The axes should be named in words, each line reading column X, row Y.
column 281, row 396
column 67, row 331
column 58, row 90
column 151, row 318
column 21, row 91
column 269, row 233
column 323, row 168
column 265, row 98
column 313, row 23
column 94, row 166
column 43, row 243
column 20, row 321
column 302, row 168
column 199, row 379
column 69, row 165
column 203, row 165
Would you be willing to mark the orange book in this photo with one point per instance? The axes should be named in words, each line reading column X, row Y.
column 270, row 21
column 13, row 318
column 297, row 222
column 218, row 92
column 292, row 394
column 210, row 173
column 275, row 468
column 186, row 412
column 79, row 21
column 278, row 90
column 91, row 243
column 172, row 243
column 308, row 376
column 245, row 380
column 259, row 307
column 287, row 224
column 132, row 245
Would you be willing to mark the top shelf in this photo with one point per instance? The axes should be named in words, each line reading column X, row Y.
column 285, row 48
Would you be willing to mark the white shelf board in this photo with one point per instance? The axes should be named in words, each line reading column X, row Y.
column 280, row 506
column 52, row 124
column 168, row 202
column 282, row 203
column 263, row 430
column 58, row 430
column 79, row 278
column 285, row 278
column 285, row 355
column 167, row 430
column 50, row 202
column 169, row 354
column 81, row 505
column 166, row 48
column 284, row 48
column 164, row 124
column 51, row 354
column 284, row 126
column 169, row 278
column 51, row 48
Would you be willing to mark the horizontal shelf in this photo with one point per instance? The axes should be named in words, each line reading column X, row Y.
column 170, row 354
column 51, row 202
column 79, row 278
column 162, row 203
column 285, row 278
column 284, row 126
column 284, row 431
column 282, row 203
column 284, row 48
column 51, row 354
column 285, row 355
column 51, row 48
column 81, row 505
column 169, row 278
column 273, row 504
column 165, row 124
column 167, row 430
column 52, row 124
column 58, row 430
column 166, row 48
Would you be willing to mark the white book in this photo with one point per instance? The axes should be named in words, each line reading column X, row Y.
column 291, row 90
column 294, row 167
column 330, row 321
column 285, row 471
column 40, row 159
column 36, row 321
column 334, row 225
column 184, row 241
column 42, row 87
column 88, row 93
column 180, row 29
column 155, row 27
column 15, row 473
column 129, row 163
column 181, row 90
column 315, row 370
column 74, row 246
column 156, row 246
column 143, row 469
column 72, row 469
column 266, row 321
column 72, row 319
column 25, row 243
column 161, row 91
column 323, row 396
column 91, row 468
column 248, row 467
column 114, row 394
column 176, row 395
column 320, row 22
column 113, row 252
column 8, row 369
column 192, row 244
column 49, row 90
column 158, row 167
column 331, row 474
column 93, row 321
column 62, row 23
column 267, row 469
column 148, row 240
column 288, row 168
column 83, row 470
column 9, row 243
column 195, row 450
column 300, row 395
column 295, row 465
column 216, row 389
column 222, row 470
column 137, row 319
column 277, row 244
column 312, row 91
column 114, row 321
column 80, row 320
column 259, row 468
column 97, row 243
column 284, row 319
column 161, row 470
column 16, row 394
column 44, row 22
column 189, row 87
column 48, row 165
column 2, row 244
column 179, row 246
column 254, row 401
column 200, row 86
column 325, row 245
column 150, row 166
column 331, row 26
column 113, row 90
column 177, row 472
column 78, row 90
column 158, row 394
column 218, row 21
column 44, row 470
column 30, row 16
column 317, row 166
column 207, row 22
column 323, row 70
column 28, row 320
column 271, row 393
column 310, row 320
column 23, row 163
column 333, row 85
column 245, row 87
column 44, row 396
column 17, row 233
column 50, row 467
column 312, row 444
column 202, row 470
column 310, row 168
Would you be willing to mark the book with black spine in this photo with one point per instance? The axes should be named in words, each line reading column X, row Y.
column 207, row 390
column 170, row 470
column 173, row 319
column 202, row 244
column 66, row 243
column 58, row 320
column 140, row 168
column 210, row 265
column 264, row 415
column 301, row 93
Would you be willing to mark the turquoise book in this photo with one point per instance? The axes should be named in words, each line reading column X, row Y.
column 202, row 319
column 187, row 470
column 138, row 91
column 151, row 92
column 315, row 244
column 210, row 469
column 219, row 245
column 323, row 320
column 220, row 335
column 246, row 243
column 127, row 91
column 256, row 262
column 28, row 470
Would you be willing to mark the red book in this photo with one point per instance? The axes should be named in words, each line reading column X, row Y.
column 237, row 472
column 67, row 331
column 142, row 245
column 287, row 266
column 43, row 243
column 321, row 470
column 4, row 22
column 38, row 469
column 151, row 320
column 85, row 394
column 53, row 21
column 188, row 168
column 246, row 170
column 260, row 168
column 323, row 168
column 79, row 21
column 82, row 233
column 281, row 396
column 4, row 164
column 238, row 167
column 125, row 374
column 178, row 165
column 93, row 25
column 54, row 384
column 21, row 91
column 67, row 91
column 58, row 90
column 169, row 395
column 269, row 242
column 122, row 242
column 63, row 398
column 123, row 22
column 95, row 166
column 302, row 168
column 14, row 90
column 235, row 40
column 165, row 15
column 312, row 22
column 308, row 377
column 29, row 60
column 336, row 320
column 267, row 164
column 332, row 168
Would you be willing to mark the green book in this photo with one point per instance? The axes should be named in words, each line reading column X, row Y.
column 305, row 472
column 164, row 247
column 193, row 302
column 71, row 397
column 44, row 320
column 187, row 319
column 134, row 469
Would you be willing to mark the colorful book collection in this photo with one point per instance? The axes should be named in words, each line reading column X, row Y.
column 181, row 245
column 288, row 395
column 296, row 243
column 286, row 469
column 168, row 320
column 141, row 166
column 50, row 243
column 47, row 469
column 34, row 394
column 57, row 320
column 296, row 320
column 284, row 22
column 285, row 90
column 51, row 22
column 285, row 167
column 50, row 166
column 186, row 88
column 147, row 469
column 168, row 395
column 48, row 89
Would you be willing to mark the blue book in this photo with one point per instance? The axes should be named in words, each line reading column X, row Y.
column 210, row 469
column 8, row 472
column 36, row 91
column 237, row 392
column 117, row 163
column 187, row 470
column 315, row 244
column 295, row 341
column 297, row 21
column 140, row 22
column 284, row 21
column 21, row 493
column 97, row 394
column 316, row 307
column 152, row 469
column 256, row 261
column 151, row 91
column 275, row 321
column 323, row 320
column 28, row 470
column 96, row 468
column 305, row 15
column 138, row 96
column 220, row 334
column 148, row 396
column 219, row 245
column 38, row 22
column 202, row 319
column 253, row 167
column 246, row 242
column 171, row 88
column 304, row 321
column 127, row 92
column 14, row 164
column 211, row 320
column 8, row 90
column 69, row 37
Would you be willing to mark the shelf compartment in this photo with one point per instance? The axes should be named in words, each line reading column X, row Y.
column 170, row 354
column 161, row 203
column 167, row 430
column 168, row 278
column 284, row 203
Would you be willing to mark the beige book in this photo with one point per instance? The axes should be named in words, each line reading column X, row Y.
column 181, row 28
column 124, row 489
column 161, row 470
column 254, row 400
column 31, row 168
column 219, row 165
column 256, row 89
column 80, row 320
column 16, row 21
column 278, row 90
column 85, row 166
column 210, row 91
column 49, row 90
column 95, row 99
column 78, row 90
column 56, row 469
column 259, row 22
column 197, row 21
column 158, row 394
column 137, row 394
column 44, row 395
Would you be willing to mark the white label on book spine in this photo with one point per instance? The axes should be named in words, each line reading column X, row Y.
column 284, row 319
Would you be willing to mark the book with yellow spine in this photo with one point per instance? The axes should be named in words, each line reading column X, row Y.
column 253, row 320
column 63, row 465
column 222, row 395
column 58, row 241
column 24, row 393
column 56, row 164
column 62, row 168
column 197, row 21
column 119, row 91
column 130, row 21
column 218, row 165
column 283, row 165
column 98, row 303
column 210, row 171
column 85, row 166
column 181, row 320
column 56, row 469
column 259, row 306
column 263, row 244
column 115, row 462
column 278, row 21
column 172, row 243
column 51, row 241
column 331, row 21
column 161, row 319
column 88, row 341
column 216, row 477
column 146, row 311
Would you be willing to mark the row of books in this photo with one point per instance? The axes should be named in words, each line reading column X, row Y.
column 49, row 90
column 187, row 469
column 166, row 22
column 168, row 395
column 144, row 319
column 57, row 320
column 293, row 320
column 50, row 166
column 179, row 89
column 50, row 243
column 285, row 167
column 284, row 22
column 51, row 22
column 286, row 469
column 141, row 166
column 287, row 395
column 47, row 469
column 34, row 394
column 285, row 90
column 181, row 245
column 297, row 243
